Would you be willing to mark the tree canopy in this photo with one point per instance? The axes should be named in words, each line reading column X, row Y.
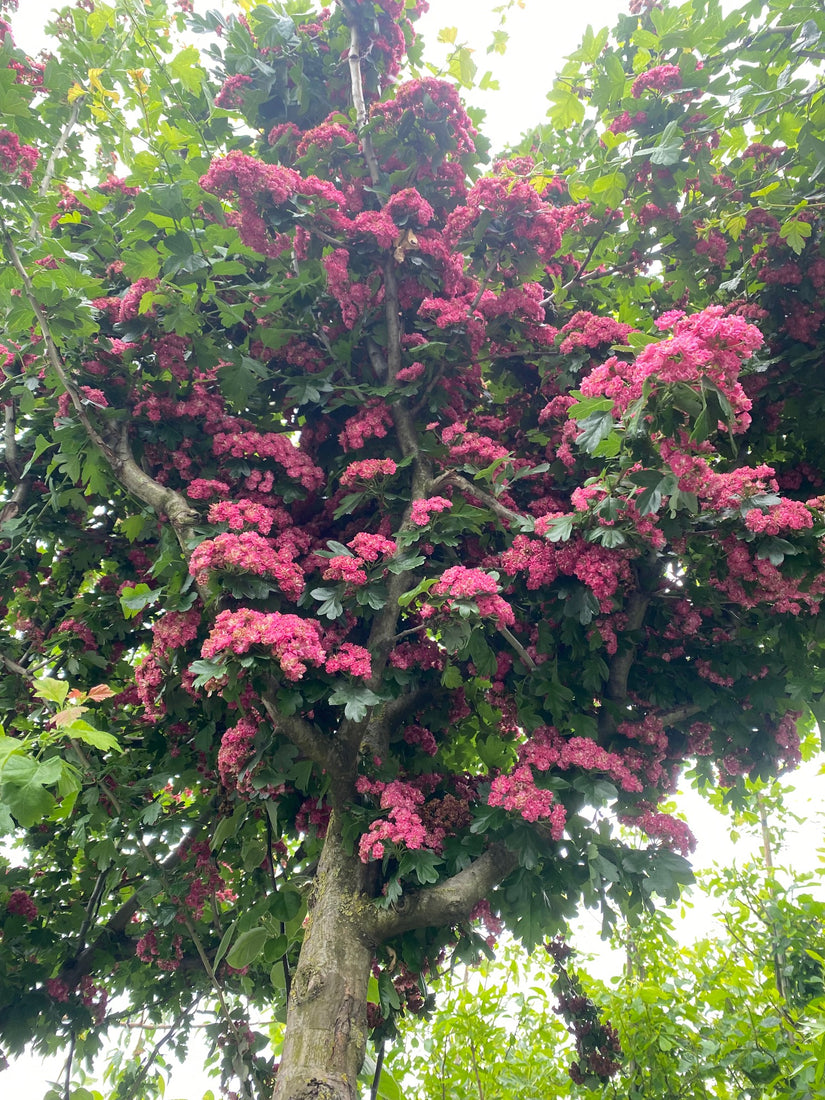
column 382, row 524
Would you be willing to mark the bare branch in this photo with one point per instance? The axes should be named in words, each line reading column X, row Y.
column 323, row 751
column 59, row 148
column 495, row 506
column 447, row 902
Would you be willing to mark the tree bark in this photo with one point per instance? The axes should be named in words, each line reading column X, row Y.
column 326, row 1027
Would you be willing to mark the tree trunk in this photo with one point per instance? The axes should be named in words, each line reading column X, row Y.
column 326, row 1027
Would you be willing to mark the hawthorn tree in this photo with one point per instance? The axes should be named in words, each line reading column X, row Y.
column 381, row 525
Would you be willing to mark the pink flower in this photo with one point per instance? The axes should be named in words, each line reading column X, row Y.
column 423, row 508
column 367, row 470
column 461, row 583
column 294, row 642
column 20, row 904
column 519, row 792
column 661, row 78
column 352, row 659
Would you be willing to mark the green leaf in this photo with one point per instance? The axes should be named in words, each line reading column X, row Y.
column 561, row 528
column 207, row 670
column 133, row 600
column 186, row 66
column 355, row 699
column 98, row 739
column 23, row 788
column 285, row 904
column 796, row 233
column 594, row 429
column 247, row 947
column 53, row 690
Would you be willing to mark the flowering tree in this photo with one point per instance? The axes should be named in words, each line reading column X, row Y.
column 378, row 530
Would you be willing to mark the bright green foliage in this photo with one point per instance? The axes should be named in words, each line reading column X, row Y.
column 738, row 1013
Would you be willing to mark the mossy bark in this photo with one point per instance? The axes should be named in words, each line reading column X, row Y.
column 326, row 1026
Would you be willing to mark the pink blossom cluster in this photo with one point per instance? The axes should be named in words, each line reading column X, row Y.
column 242, row 513
column 531, row 221
column 371, row 422
column 422, row 655
column 343, row 567
column 130, row 303
column 352, row 659
column 586, row 330
column 174, row 630
column 237, row 749
column 372, row 547
column 294, row 642
column 602, row 570
column 518, row 792
column 434, row 102
column 661, row 78
column 709, row 345
column 787, row 515
column 352, row 297
column 786, row 736
column 258, row 185
column 462, row 583
column 625, row 121
column 467, row 446
column 721, row 491
column 409, row 204
column 81, row 630
column 751, row 581
column 150, row 675
column 424, row 507
column 422, row 738
column 147, row 951
column 277, row 446
column 314, row 814
column 402, row 826
column 410, row 373
column 16, row 159
column 318, row 137
column 546, row 748
column 247, row 552
column 367, row 470
column 21, row 904
column 231, row 94
column 649, row 731
column 201, row 488
column 672, row 832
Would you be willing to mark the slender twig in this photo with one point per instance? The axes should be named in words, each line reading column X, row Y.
column 150, row 1061
column 379, row 1065
column 9, row 442
column 475, row 1069
column 274, row 882
column 67, row 1077
column 52, row 354
column 59, row 148
column 13, row 666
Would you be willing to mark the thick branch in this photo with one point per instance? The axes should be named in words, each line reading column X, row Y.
column 679, row 714
column 386, row 719
column 449, row 901
column 358, row 100
column 323, row 751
